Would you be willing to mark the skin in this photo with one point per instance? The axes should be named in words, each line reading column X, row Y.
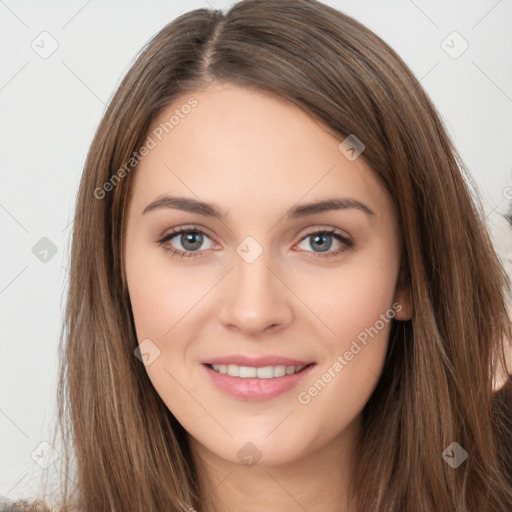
column 256, row 155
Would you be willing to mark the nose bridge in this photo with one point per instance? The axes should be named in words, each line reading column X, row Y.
column 254, row 298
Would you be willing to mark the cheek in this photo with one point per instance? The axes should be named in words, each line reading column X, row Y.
column 356, row 309
column 160, row 293
column 154, row 306
column 352, row 298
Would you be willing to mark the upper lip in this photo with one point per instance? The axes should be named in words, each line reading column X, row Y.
column 257, row 362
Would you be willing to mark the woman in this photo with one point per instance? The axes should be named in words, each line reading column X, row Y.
column 247, row 370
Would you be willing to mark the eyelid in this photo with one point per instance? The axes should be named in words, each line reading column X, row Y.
column 185, row 227
column 326, row 229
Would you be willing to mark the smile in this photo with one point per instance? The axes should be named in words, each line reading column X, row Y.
column 264, row 372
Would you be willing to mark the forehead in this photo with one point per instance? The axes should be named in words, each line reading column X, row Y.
column 246, row 146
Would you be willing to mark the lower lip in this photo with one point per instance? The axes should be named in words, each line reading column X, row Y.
column 256, row 389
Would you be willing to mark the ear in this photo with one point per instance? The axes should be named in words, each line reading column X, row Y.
column 404, row 309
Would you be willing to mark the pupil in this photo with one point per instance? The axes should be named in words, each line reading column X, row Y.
column 189, row 238
column 322, row 239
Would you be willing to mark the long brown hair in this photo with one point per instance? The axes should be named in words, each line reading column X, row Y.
column 438, row 382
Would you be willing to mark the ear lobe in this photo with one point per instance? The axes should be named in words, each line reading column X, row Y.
column 403, row 303
column 404, row 308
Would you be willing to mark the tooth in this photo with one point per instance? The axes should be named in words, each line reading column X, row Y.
column 247, row 371
column 279, row 370
column 233, row 370
column 265, row 372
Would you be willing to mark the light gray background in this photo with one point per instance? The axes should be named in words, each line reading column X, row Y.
column 50, row 108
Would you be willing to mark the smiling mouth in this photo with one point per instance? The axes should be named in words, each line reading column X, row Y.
column 262, row 372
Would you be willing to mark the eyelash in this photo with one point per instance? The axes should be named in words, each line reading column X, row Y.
column 348, row 244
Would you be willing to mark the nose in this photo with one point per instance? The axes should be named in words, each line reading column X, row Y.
column 254, row 298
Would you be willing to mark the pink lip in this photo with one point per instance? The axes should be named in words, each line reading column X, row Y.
column 257, row 362
column 253, row 388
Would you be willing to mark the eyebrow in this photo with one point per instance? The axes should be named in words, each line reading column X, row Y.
column 211, row 210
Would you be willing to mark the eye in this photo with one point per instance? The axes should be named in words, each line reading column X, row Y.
column 190, row 240
column 322, row 239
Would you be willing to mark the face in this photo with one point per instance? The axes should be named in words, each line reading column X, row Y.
column 256, row 281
